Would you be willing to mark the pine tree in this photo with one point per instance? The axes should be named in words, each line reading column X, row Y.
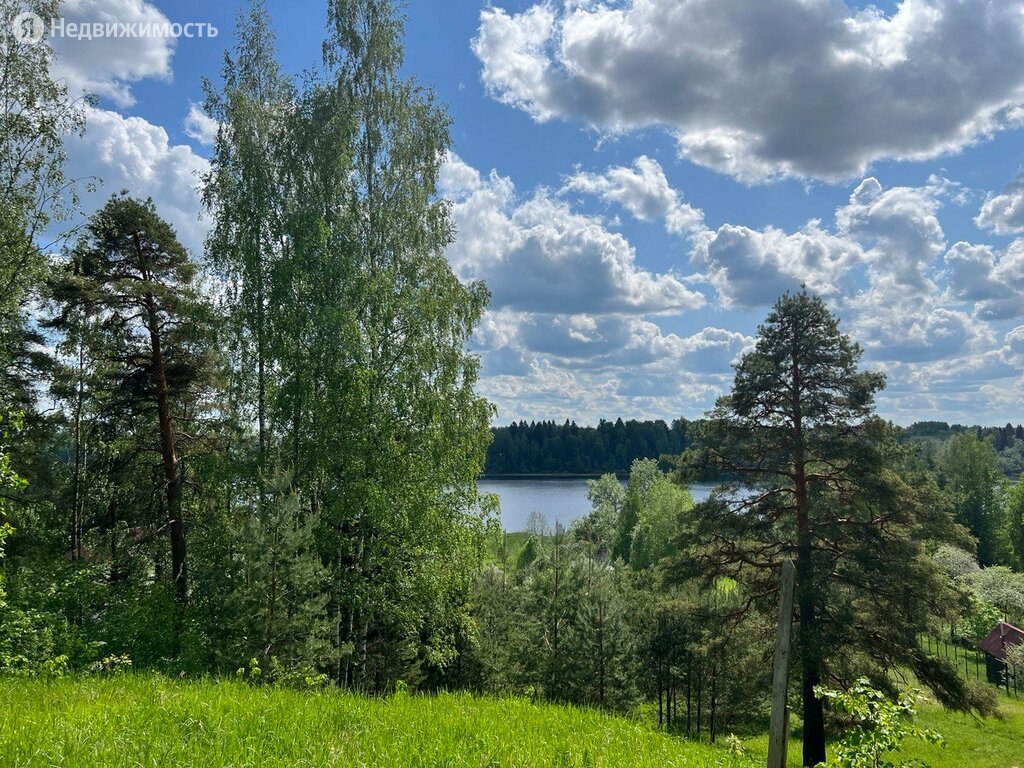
column 131, row 271
column 599, row 642
column 820, row 482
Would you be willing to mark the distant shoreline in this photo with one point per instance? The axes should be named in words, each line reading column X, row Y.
column 547, row 475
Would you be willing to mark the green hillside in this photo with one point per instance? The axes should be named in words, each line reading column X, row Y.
column 148, row 720
column 151, row 721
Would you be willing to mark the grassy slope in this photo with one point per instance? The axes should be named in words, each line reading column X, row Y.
column 971, row 742
column 149, row 721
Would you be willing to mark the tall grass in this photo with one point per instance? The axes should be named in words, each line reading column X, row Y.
column 147, row 720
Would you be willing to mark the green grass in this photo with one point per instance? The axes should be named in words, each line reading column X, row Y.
column 970, row 741
column 147, row 720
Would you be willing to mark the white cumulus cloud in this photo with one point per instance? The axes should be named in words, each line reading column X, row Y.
column 643, row 190
column 1004, row 213
column 200, row 126
column 106, row 66
column 760, row 90
column 538, row 255
column 751, row 268
column 992, row 280
column 119, row 152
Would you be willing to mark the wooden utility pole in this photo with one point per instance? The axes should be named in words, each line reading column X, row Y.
column 778, row 732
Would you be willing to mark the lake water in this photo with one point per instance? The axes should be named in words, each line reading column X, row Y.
column 558, row 499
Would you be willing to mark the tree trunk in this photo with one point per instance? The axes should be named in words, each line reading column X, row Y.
column 689, row 695
column 661, row 692
column 169, row 460
column 79, row 505
column 261, row 392
column 714, row 703
column 813, row 709
column 700, row 697
column 600, row 652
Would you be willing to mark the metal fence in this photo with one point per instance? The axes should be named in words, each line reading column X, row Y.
column 974, row 664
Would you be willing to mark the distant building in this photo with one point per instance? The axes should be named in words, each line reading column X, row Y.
column 994, row 645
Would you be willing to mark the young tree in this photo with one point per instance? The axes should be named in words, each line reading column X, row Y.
column 643, row 475
column 659, row 523
column 607, row 498
column 818, row 484
column 599, row 641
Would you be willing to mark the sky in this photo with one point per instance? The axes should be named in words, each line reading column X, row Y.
column 637, row 181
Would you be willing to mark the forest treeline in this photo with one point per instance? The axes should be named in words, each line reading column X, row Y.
column 546, row 447
column 262, row 460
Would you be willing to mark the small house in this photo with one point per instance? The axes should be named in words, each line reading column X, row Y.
column 1004, row 636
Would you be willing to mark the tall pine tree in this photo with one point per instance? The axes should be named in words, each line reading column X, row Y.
column 819, row 482
column 131, row 271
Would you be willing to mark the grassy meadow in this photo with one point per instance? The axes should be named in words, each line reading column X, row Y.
column 147, row 720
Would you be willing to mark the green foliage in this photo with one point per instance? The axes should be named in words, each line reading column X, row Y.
column 5, row 531
column 1007, row 441
column 130, row 271
column 560, row 626
column 643, row 475
column 261, row 587
column 659, row 523
column 969, row 474
column 290, row 477
column 978, row 618
column 607, row 499
column 1001, row 588
column 877, row 727
column 36, row 199
column 112, row 665
column 1014, row 521
column 28, row 636
column 347, row 329
column 959, row 564
column 9, row 481
column 529, row 554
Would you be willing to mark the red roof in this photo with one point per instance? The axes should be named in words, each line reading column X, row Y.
column 1003, row 636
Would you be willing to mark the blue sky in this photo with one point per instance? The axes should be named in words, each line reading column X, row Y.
column 638, row 180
